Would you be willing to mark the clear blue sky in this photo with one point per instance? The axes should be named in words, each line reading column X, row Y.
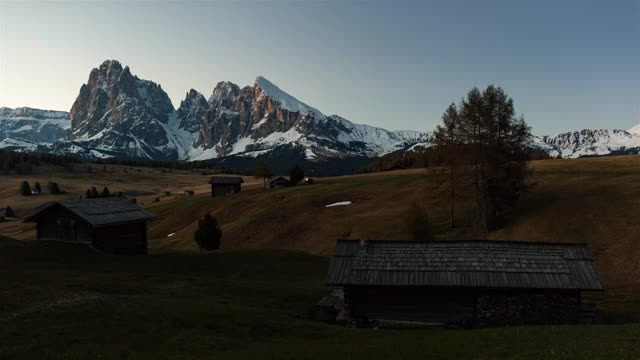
column 567, row 64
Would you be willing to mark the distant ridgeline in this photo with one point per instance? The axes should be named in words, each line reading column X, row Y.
column 421, row 157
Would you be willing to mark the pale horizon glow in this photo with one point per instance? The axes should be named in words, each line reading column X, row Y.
column 568, row 65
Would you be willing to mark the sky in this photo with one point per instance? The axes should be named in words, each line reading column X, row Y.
column 568, row 65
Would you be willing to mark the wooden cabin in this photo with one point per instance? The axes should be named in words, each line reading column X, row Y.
column 463, row 283
column 279, row 182
column 112, row 225
column 225, row 185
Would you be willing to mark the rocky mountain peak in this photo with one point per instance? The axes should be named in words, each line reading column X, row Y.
column 192, row 111
column 224, row 94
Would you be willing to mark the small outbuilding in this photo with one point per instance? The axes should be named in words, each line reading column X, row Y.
column 112, row 225
column 279, row 182
column 225, row 185
column 463, row 283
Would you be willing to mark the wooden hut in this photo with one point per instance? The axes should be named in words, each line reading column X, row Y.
column 112, row 225
column 225, row 185
column 279, row 182
column 463, row 283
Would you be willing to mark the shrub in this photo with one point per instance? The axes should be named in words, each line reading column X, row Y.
column 37, row 187
column 25, row 189
column 53, row 187
column 208, row 234
column 417, row 221
column 8, row 212
column 105, row 192
column 296, row 174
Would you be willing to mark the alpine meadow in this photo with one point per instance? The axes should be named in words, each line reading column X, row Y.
column 313, row 180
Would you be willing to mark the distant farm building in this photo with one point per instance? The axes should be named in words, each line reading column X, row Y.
column 279, row 182
column 225, row 185
column 112, row 225
column 463, row 283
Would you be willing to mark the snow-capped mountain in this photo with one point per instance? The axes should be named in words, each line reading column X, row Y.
column 590, row 142
column 26, row 128
column 118, row 114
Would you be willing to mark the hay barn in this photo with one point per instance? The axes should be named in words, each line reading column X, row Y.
column 279, row 182
column 112, row 225
column 463, row 283
column 225, row 185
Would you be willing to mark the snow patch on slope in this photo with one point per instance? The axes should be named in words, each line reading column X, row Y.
column 287, row 101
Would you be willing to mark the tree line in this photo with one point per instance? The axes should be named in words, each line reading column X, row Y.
column 481, row 138
column 22, row 163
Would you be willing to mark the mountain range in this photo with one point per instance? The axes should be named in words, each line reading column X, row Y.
column 117, row 114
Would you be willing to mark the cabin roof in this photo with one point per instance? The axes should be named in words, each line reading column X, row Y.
column 226, row 180
column 278, row 179
column 473, row 263
column 99, row 212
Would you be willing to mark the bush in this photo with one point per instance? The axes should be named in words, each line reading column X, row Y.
column 53, row 187
column 37, row 187
column 25, row 189
column 296, row 174
column 105, row 192
column 208, row 234
column 8, row 212
column 418, row 223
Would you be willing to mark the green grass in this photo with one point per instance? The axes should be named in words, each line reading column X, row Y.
column 67, row 301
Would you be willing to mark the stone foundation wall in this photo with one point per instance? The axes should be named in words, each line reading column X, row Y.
column 500, row 309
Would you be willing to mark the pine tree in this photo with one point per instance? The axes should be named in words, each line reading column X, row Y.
column 53, row 187
column 37, row 187
column 296, row 174
column 94, row 193
column 25, row 189
column 448, row 138
column 105, row 192
column 488, row 137
column 417, row 221
column 208, row 234
column 8, row 212
column 87, row 194
column 263, row 171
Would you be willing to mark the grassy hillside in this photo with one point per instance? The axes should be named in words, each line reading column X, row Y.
column 145, row 184
column 595, row 200
column 67, row 301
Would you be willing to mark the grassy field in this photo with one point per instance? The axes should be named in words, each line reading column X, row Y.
column 252, row 299
column 145, row 184
column 67, row 301
column 594, row 201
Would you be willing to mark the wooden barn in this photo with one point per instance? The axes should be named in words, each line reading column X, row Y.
column 225, row 185
column 279, row 182
column 112, row 225
column 463, row 283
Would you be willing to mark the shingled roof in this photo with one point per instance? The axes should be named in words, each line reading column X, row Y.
column 476, row 263
column 226, row 180
column 99, row 212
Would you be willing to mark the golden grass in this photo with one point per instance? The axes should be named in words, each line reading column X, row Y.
column 594, row 201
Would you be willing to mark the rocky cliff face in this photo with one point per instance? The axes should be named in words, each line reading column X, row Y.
column 27, row 128
column 260, row 118
column 118, row 114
